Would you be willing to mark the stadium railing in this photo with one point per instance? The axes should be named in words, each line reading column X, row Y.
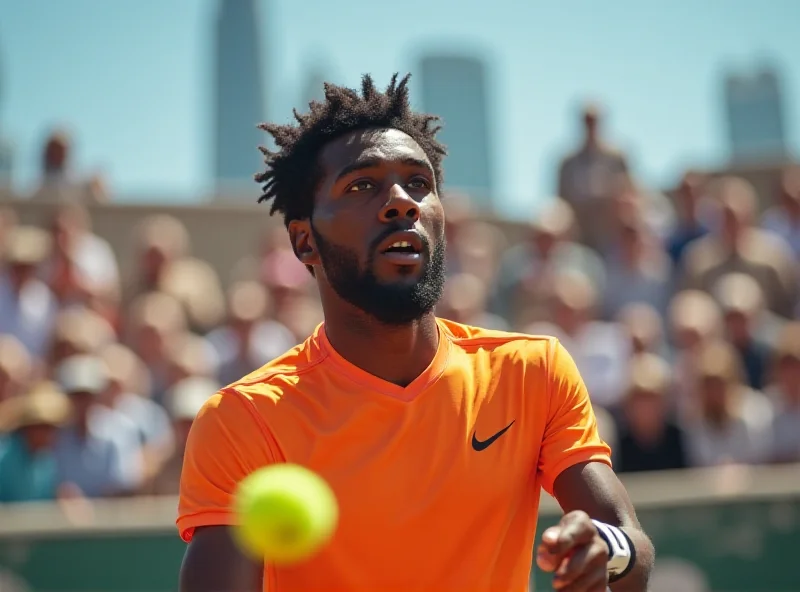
column 734, row 529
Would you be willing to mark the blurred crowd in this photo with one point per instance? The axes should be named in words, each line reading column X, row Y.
column 682, row 315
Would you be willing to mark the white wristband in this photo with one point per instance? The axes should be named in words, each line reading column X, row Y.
column 621, row 553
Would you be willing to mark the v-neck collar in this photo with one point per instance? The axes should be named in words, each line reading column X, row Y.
column 408, row 393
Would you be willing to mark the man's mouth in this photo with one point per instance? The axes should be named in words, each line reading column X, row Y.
column 402, row 248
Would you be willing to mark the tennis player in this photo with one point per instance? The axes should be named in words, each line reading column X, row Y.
column 436, row 437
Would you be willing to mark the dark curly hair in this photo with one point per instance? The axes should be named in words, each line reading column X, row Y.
column 291, row 174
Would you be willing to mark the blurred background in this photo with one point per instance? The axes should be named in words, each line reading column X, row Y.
column 623, row 177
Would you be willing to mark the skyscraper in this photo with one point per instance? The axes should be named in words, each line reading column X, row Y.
column 755, row 118
column 238, row 90
column 455, row 88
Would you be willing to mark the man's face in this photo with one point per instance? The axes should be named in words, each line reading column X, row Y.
column 378, row 226
column 645, row 410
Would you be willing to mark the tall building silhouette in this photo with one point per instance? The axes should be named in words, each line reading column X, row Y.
column 755, row 116
column 239, row 95
column 455, row 88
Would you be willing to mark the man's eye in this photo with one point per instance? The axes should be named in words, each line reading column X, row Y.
column 419, row 183
column 360, row 186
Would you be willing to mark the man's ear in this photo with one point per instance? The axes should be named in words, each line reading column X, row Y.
column 303, row 243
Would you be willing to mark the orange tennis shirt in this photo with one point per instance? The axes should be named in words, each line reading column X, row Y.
column 438, row 482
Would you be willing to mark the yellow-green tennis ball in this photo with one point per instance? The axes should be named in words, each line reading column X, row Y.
column 285, row 513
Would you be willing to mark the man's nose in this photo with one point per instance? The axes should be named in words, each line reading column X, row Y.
column 399, row 205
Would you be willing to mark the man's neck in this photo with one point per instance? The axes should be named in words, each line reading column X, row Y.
column 396, row 354
column 592, row 144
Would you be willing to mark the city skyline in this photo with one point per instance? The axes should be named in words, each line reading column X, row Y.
column 133, row 80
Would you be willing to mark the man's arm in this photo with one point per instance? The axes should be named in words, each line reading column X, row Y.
column 574, row 464
column 588, row 491
column 213, row 563
column 226, row 443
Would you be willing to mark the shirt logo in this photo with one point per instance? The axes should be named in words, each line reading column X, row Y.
column 484, row 444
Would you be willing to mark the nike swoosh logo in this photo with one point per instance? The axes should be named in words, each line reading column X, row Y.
column 484, row 444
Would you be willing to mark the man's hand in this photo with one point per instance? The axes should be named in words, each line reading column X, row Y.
column 576, row 553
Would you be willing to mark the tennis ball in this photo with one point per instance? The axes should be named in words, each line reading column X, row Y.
column 285, row 512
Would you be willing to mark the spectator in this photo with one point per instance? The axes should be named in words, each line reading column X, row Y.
column 645, row 328
column 294, row 302
column 56, row 157
column 732, row 424
column 784, row 392
column 587, row 177
column 165, row 265
column 195, row 285
column 250, row 338
column 630, row 201
column 58, row 182
column 637, row 271
column 16, row 367
column 189, row 355
column 478, row 249
column 78, row 331
column 127, row 381
column 464, row 301
column 81, row 268
column 459, row 212
column 28, row 468
column 690, row 224
column 98, row 453
column 277, row 265
column 783, row 219
column 695, row 320
column 601, row 349
column 183, row 402
column 648, row 439
column 737, row 246
column 741, row 301
column 27, row 306
column 301, row 314
column 153, row 320
column 158, row 241
column 526, row 270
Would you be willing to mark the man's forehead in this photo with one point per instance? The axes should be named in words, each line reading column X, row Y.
column 370, row 145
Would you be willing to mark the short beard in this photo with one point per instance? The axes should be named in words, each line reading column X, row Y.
column 390, row 304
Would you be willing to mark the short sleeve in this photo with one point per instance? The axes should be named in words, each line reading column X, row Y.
column 571, row 435
column 227, row 442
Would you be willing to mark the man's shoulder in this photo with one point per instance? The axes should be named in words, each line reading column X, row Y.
column 280, row 372
column 504, row 343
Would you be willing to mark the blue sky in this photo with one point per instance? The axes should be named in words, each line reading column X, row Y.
column 131, row 78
